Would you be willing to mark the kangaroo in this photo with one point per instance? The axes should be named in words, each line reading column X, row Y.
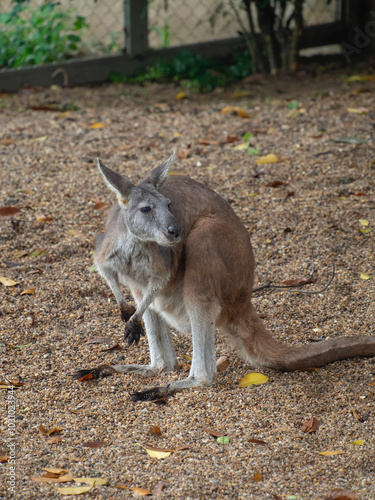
column 187, row 259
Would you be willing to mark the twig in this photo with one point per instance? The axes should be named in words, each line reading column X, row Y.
column 64, row 73
column 285, row 288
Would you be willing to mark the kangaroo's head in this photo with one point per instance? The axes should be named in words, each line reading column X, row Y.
column 145, row 209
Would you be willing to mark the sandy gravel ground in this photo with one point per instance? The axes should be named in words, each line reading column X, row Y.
column 48, row 172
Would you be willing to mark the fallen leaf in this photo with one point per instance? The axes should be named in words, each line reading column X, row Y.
column 274, row 184
column 223, row 439
column 28, row 291
column 116, row 346
column 55, row 478
column 44, row 218
column 207, row 142
column 311, row 426
column 214, row 433
column 99, row 340
column 297, row 281
column 222, row 363
column 257, row 477
column 180, row 95
column 141, row 492
column 100, row 206
column 330, row 453
column 339, row 494
column 231, row 138
column 359, row 442
column 74, row 232
column 7, row 281
column 257, row 441
column 364, row 276
column 159, row 487
column 54, row 440
column 6, row 141
column 184, row 154
column 270, row 158
column 363, row 222
column 154, row 452
column 91, row 480
column 366, row 231
column 236, row 111
column 47, row 432
column 253, row 379
column 38, row 252
column 98, row 125
column 93, row 444
column 360, row 78
column 182, row 447
column 19, row 253
column 39, row 139
column 74, row 490
column 243, row 146
column 240, row 94
column 4, row 459
column 9, row 211
column 358, row 111
column 155, row 431
column 55, row 470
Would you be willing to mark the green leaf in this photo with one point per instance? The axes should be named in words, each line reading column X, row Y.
column 223, row 439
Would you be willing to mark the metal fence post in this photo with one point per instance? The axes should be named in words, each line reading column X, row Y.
column 135, row 27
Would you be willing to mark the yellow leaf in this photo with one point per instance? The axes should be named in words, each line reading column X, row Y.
column 244, row 145
column 74, row 490
column 156, row 452
column 358, row 111
column 91, row 480
column 141, row 492
column 359, row 442
column 235, row 110
column 7, row 281
column 365, row 276
column 253, row 194
column 330, row 453
column 180, row 95
column 40, row 139
column 63, row 114
column 253, row 379
column 60, row 479
column 28, row 291
column 271, row 158
column 359, row 78
column 365, row 231
column 98, row 125
column 363, row 222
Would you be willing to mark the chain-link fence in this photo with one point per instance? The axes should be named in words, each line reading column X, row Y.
column 96, row 27
column 179, row 22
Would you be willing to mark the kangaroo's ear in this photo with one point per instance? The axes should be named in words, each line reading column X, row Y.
column 159, row 175
column 118, row 183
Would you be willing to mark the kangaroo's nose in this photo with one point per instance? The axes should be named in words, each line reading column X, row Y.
column 174, row 231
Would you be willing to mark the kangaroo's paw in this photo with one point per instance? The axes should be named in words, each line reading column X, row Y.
column 127, row 312
column 133, row 333
column 95, row 373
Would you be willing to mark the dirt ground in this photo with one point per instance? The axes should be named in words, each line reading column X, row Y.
column 312, row 200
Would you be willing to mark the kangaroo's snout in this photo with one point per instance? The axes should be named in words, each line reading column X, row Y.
column 174, row 231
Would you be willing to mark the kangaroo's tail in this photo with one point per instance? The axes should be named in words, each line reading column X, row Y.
column 263, row 350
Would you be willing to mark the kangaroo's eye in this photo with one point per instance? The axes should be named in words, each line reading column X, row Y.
column 145, row 209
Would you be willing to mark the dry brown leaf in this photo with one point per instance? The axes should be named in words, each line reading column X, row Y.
column 222, row 363
column 28, row 291
column 257, row 477
column 258, row 441
column 182, row 447
column 74, row 490
column 55, row 470
column 155, row 431
column 208, row 142
column 44, row 218
column 298, row 281
column 275, row 184
column 214, row 433
column 141, row 492
column 4, row 459
column 184, row 153
column 54, row 478
column 116, row 346
column 236, row 111
column 339, row 494
column 9, row 211
column 93, row 444
column 231, row 138
column 54, row 439
column 100, row 206
column 311, row 426
column 47, row 432
column 159, row 487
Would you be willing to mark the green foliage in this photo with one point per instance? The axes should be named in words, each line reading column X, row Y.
column 42, row 35
column 194, row 71
column 164, row 35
